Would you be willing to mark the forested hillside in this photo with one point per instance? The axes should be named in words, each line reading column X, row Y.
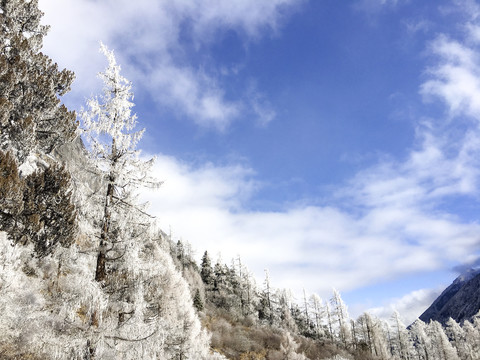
column 86, row 273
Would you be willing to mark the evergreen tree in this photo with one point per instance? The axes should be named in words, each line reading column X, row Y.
column 206, row 271
column 110, row 125
column 48, row 215
column 37, row 209
column 197, row 301
column 31, row 117
column 266, row 306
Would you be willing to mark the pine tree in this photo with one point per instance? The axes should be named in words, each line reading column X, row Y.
column 110, row 125
column 37, row 209
column 48, row 215
column 31, row 117
column 206, row 270
column 197, row 301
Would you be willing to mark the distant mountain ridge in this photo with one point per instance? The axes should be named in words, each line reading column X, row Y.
column 460, row 301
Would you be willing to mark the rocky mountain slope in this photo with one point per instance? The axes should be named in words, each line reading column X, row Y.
column 460, row 301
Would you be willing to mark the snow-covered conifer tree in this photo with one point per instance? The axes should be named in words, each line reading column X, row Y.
column 31, row 117
column 400, row 337
column 423, row 342
column 266, row 308
column 316, row 304
column 472, row 340
column 456, row 334
column 149, row 312
column 206, row 270
column 110, row 124
column 373, row 335
column 341, row 314
column 443, row 349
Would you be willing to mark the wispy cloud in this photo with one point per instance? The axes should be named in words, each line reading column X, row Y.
column 149, row 37
column 455, row 76
column 375, row 6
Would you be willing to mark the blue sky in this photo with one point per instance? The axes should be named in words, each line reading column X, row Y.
column 335, row 143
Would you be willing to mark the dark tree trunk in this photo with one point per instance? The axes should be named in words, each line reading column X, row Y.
column 101, row 270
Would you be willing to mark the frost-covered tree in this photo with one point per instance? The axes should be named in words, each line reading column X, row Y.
column 110, row 124
column 48, row 216
column 343, row 320
column 31, row 117
column 197, row 301
column 456, row 334
column 441, row 346
column 402, row 347
column 289, row 348
column 372, row 335
column 285, row 299
column 266, row 301
column 472, row 339
column 420, row 337
column 149, row 312
column 316, row 304
column 37, row 208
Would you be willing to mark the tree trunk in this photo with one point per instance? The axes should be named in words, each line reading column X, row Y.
column 101, row 271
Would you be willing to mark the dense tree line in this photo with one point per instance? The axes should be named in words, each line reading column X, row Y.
column 317, row 328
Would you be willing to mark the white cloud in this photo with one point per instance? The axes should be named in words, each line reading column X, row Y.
column 148, row 38
column 260, row 106
column 410, row 306
column 395, row 233
column 455, row 78
column 415, row 26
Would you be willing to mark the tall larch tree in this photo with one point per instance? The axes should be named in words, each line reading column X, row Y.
column 110, row 124
column 341, row 314
column 400, row 337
